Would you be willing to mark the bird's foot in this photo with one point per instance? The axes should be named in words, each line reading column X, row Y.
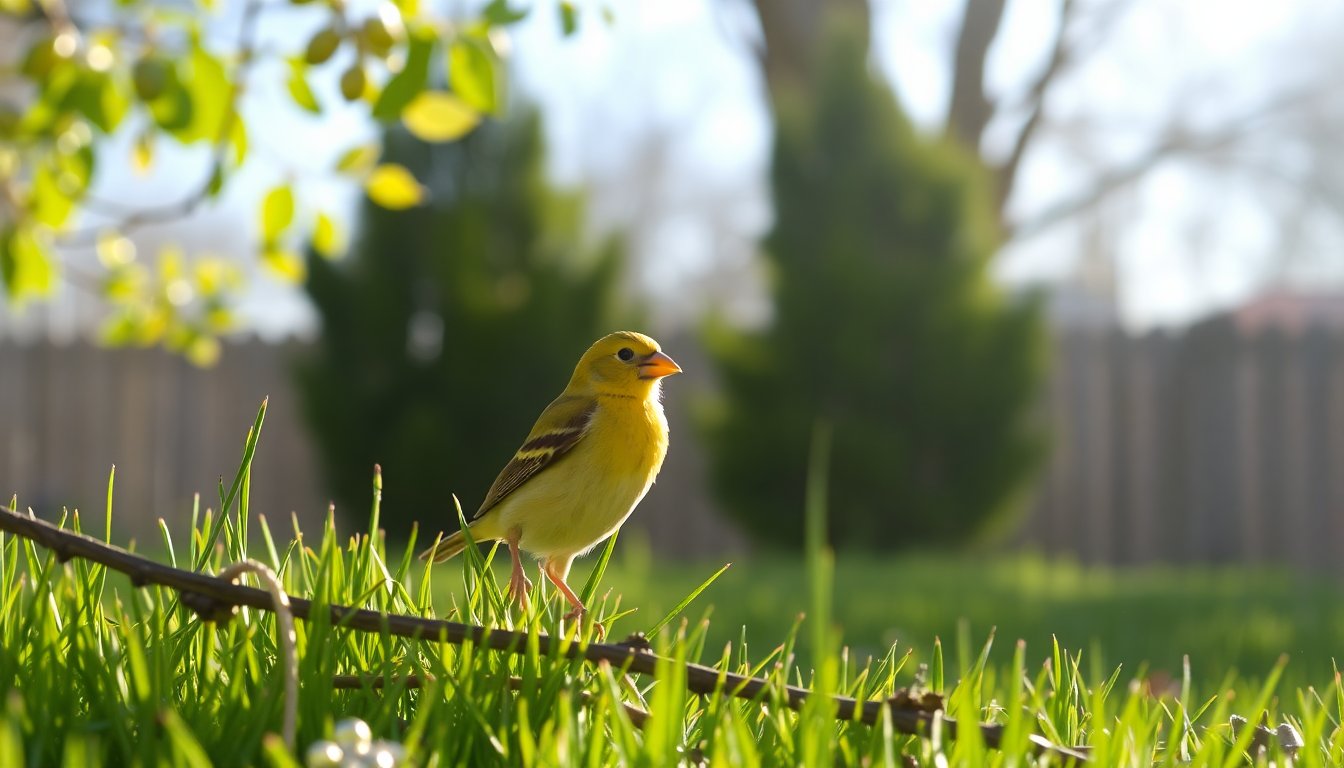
column 519, row 586
column 577, row 614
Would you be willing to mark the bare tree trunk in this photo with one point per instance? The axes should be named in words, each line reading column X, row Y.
column 793, row 35
column 970, row 109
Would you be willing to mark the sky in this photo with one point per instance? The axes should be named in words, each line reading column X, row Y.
column 660, row 114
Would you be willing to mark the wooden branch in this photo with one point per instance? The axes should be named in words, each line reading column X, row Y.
column 214, row 600
column 1060, row 54
column 1176, row 140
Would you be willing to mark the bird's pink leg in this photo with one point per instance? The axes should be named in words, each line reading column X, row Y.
column 518, row 583
column 556, row 572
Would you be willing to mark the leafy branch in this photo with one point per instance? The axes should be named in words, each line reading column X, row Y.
column 214, row 599
column 149, row 73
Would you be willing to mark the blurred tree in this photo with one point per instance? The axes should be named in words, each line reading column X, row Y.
column 886, row 325
column 450, row 326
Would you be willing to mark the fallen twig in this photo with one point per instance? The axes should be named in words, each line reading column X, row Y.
column 214, row 599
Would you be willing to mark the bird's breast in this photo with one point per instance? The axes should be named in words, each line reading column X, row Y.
column 631, row 437
column 587, row 496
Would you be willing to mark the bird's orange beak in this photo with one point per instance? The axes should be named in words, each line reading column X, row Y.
column 658, row 365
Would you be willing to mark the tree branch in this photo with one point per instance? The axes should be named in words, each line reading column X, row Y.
column 247, row 47
column 214, row 599
column 1176, row 140
column 1060, row 54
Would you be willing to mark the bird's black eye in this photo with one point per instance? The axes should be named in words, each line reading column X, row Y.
column 627, row 354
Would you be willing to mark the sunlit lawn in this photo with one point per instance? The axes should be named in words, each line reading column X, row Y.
column 1226, row 619
column 102, row 673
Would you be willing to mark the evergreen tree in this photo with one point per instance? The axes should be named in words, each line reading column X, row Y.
column 886, row 325
column 450, row 326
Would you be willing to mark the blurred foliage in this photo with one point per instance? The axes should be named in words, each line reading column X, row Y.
column 75, row 79
column 886, row 324
column 452, row 325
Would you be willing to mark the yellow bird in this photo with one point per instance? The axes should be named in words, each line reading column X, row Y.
column 583, row 468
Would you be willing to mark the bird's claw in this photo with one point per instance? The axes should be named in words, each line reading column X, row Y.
column 519, row 586
column 577, row 613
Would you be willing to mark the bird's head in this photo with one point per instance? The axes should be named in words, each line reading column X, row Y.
column 622, row 363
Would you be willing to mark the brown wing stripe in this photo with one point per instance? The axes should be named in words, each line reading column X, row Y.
column 550, row 441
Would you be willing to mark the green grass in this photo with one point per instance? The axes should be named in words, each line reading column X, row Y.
column 1225, row 618
column 94, row 671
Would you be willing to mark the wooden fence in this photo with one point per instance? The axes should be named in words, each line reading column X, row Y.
column 1203, row 447
column 1211, row 446
column 68, row 413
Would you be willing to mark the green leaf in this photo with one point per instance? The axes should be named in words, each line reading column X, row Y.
column 216, row 184
column 358, row 160
column 437, row 116
column 569, row 18
column 471, row 71
column 210, row 91
column 95, row 96
column 47, row 201
column 393, row 187
column 74, row 168
column 142, row 154
column 125, row 284
column 498, row 13
column 238, row 141
column 26, row 266
column 284, row 264
column 149, row 76
column 41, row 58
column 172, row 107
column 410, row 81
column 298, row 86
column 322, row 45
column 277, row 212
column 215, row 276
column 326, row 237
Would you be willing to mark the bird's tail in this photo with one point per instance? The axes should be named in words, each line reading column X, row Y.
column 447, row 547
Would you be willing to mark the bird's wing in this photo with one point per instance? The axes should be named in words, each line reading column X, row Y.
column 559, row 428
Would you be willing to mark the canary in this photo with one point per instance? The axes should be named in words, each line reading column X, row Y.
column 583, row 468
